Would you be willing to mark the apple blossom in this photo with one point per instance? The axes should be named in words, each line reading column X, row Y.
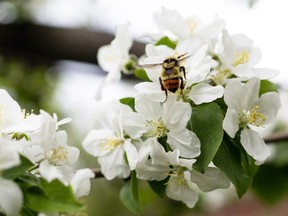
column 246, row 110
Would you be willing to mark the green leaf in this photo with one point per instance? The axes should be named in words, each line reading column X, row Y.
column 129, row 195
column 270, row 183
column 206, row 122
column 166, row 41
column 19, row 170
column 267, row 86
column 228, row 159
column 159, row 187
column 51, row 197
column 140, row 73
column 129, row 101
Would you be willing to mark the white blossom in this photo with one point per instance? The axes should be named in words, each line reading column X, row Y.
column 247, row 110
column 168, row 120
column 107, row 141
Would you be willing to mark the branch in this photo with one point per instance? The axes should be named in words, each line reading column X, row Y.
column 38, row 43
column 276, row 138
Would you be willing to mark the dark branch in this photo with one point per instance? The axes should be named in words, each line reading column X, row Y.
column 276, row 138
column 38, row 43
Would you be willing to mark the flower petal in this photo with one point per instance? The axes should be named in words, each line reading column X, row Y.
column 254, row 145
column 211, row 179
column 11, row 197
column 231, row 122
column 185, row 141
column 81, row 182
column 203, row 93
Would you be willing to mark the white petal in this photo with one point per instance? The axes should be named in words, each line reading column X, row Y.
column 95, row 140
column 185, row 141
column 132, row 155
column 114, row 165
column 11, row 197
column 211, row 179
column 152, row 90
column 254, row 145
column 265, row 73
column 50, row 172
column 182, row 193
column 176, row 112
column 269, row 104
column 231, row 122
column 171, row 20
column 109, row 58
column 81, row 182
column 203, row 93
column 8, row 157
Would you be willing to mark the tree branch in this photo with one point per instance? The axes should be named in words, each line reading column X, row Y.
column 38, row 43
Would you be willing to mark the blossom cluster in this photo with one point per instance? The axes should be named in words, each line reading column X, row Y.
column 35, row 158
column 193, row 124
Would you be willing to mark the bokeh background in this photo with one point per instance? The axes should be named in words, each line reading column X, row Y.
column 48, row 61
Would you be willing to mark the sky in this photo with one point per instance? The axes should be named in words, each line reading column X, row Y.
column 265, row 23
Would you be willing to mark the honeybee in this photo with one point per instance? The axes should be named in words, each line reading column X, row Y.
column 173, row 75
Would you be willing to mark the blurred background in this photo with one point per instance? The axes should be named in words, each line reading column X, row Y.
column 48, row 61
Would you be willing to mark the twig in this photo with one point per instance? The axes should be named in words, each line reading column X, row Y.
column 276, row 138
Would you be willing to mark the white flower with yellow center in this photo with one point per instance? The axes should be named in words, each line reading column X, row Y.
column 167, row 120
column 197, row 67
column 107, row 141
column 55, row 156
column 238, row 57
column 155, row 164
column 171, row 22
column 247, row 110
column 112, row 57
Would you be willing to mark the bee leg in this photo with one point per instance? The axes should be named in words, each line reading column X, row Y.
column 182, row 69
column 163, row 88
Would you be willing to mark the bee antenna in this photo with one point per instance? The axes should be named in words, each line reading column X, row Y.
column 180, row 56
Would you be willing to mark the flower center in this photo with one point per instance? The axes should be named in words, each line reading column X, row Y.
column 252, row 117
column 156, row 128
column 111, row 143
column 192, row 24
column 59, row 155
column 177, row 176
column 241, row 58
column 221, row 76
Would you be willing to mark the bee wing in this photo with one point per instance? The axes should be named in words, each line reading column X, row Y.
column 149, row 65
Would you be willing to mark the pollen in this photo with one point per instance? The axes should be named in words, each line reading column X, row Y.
column 111, row 143
column 241, row 58
column 156, row 128
column 192, row 24
column 59, row 155
column 221, row 76
column 252, row 117
column 177, row 177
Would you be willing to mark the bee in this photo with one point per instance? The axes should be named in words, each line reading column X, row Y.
column 173, row 75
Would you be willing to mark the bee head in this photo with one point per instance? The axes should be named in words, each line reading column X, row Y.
column 170, row 63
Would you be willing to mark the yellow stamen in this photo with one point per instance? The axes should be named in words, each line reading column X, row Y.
column 156, row 128
column 241, row 58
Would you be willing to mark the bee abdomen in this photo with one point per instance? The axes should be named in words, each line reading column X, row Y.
column 172, row 84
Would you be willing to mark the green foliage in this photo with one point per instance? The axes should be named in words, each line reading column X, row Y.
column 270, row 183
column 206, row 122
column 129, row 101
column 129, row 195
column 166, row 41
column 233, row 161
column 48, row 197
column 159, row 187
column 19, row 170
column 141, row 74
column 267, row 86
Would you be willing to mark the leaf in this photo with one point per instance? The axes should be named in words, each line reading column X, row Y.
column 140, row 73
column 129, row 101
column 19, row 170
column 267, row 86
column 206, row 122
column 166, row 41
column 275, row 186
column 51, row 197
column 129, row 195
column 159, row 187
column 228, row 159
